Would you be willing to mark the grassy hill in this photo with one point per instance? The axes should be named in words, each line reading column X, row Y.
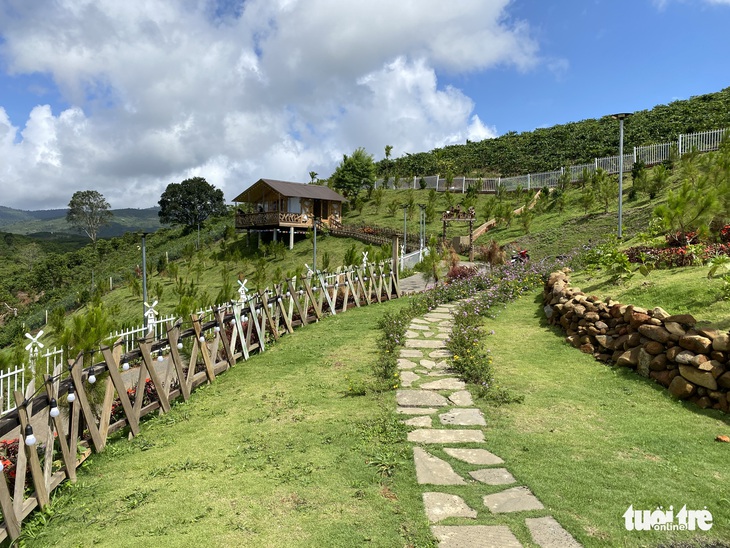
column 47, row 280
column 41, row 275
column 574, row 143
column 302, row 451
column 53, row 221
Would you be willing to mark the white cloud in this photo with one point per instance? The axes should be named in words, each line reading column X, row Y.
column 235, row 90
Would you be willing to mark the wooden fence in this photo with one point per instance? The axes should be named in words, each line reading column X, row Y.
column 166, row 368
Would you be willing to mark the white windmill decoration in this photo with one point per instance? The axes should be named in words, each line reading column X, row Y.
column 33, row 347
column 242, row 290
column 150, row 314
column 364, row 259
column 310, row 272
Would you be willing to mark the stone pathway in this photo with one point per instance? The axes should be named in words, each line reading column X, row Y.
column 441, row 413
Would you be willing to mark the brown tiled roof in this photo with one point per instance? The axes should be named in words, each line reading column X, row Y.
column 288, row 189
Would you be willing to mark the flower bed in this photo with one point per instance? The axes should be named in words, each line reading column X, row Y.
column 481, row 295
column 670, row 257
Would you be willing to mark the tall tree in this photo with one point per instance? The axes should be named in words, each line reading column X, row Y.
column 605, row 187
column 88, row 211
column 190, row 203
column 355, row 172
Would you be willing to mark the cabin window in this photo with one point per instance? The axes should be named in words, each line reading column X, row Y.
column 294, row 205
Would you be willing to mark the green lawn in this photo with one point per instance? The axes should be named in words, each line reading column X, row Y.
column 685, row 290
column 590, row 440
column 272, row 454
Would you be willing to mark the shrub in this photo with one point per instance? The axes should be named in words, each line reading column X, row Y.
column 460, row 272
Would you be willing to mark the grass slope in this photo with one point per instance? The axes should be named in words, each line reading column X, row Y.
column 685, row 290
column 591, row 440
column 272, row 454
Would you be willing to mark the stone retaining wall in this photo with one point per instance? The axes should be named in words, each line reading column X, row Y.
column 692, row 362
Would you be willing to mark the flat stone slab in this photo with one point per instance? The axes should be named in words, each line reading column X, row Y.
column 412, row 334
column 493, row 476
column 419, row 411
column 462, row 398
column 475, row 536
column 407, row 378
column 428, row 364
column 410, row 353
column 440, row 506
column 446, row 323
column 406, row 364
column 446, row 436
column 420, row 398
column 436, row 316
column 440, row 353
column 547, row 533
column 419, row 327
column 515, row 499
column 463, row 417
column 441, row 336
column 441, row 310
column 473, row 456
column 424, row 343
column 420, row 422
column 419, row 320
column 449, row 383
column 434, row 471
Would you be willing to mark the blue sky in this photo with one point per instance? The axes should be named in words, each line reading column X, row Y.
column 126, row 97
column 604, row 57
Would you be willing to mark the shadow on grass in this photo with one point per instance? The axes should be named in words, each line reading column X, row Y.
column 629, row 375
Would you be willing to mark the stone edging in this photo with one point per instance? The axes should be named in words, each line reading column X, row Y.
column 690, row 361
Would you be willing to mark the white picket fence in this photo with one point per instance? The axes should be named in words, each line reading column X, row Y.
column 9, row 382
column 704, row 141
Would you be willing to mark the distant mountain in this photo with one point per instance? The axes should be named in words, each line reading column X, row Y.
column 53, row 221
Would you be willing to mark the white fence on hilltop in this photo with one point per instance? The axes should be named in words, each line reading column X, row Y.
column 703, row 141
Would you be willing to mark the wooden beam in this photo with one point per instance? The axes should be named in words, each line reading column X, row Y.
column 353, row 288
column 203, row 347
column 260, row 329
column 284, row 312
column 326, row 294
column 69, row 460
column 112, row 363
column 264, row 296
column 144, row 347
column 83, row 400
column 30, row 451
column 173, row 336
column 297, row 302
column 239, row 330
column 12, row 523
column 227, row 350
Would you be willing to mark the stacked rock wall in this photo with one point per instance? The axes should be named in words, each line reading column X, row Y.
column 691, row 362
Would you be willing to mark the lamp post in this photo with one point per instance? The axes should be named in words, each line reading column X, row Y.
column 620, row 117
column 144, row 279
